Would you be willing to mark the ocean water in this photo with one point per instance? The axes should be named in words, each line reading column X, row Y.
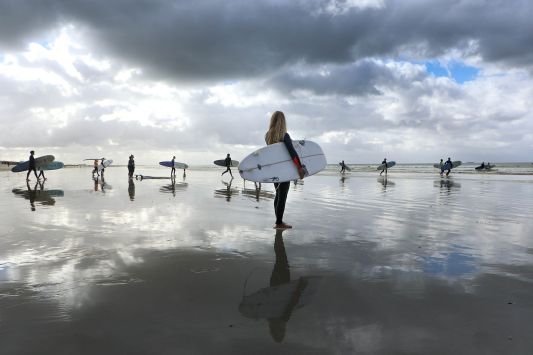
column 413, row 263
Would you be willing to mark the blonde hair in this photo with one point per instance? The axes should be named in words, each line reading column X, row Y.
column 277, row 128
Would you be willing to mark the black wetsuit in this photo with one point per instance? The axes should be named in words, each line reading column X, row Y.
column 282, row 188
column 385, row 168
column 32, row 168
column 343, row 167
column 131, row 167
column 228, row 166
column 173, row 170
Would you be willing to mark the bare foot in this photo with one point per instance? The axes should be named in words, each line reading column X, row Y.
column 282, row 226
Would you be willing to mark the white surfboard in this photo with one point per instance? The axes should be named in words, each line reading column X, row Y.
column 274, row 164
column 105, row 164
column 390, row 164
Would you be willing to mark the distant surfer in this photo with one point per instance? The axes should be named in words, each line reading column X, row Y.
column 131, row 166
column 447, row 166
column 32, row 167
column 103, row 168
column 227, row 161
column 384, row 162
column 95, row 170
column 173, row 170
column 343, row 167
column 441, row 164
column 482, row 165
column 277, row 132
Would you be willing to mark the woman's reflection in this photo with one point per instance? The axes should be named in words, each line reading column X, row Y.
column 277, row 302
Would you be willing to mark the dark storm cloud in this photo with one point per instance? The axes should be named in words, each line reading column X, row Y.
column 357, row 79
column 201, row 40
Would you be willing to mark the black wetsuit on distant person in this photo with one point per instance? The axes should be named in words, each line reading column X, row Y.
column 227, row 161
column 32, row 167
column 282, row 188
column 343, row 167
column 131, row 167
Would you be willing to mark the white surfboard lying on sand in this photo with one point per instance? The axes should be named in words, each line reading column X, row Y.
column 274, row 164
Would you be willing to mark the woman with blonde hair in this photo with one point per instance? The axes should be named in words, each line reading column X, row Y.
column 277, row 132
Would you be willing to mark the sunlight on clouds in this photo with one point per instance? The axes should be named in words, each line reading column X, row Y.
column 12, row 69
column 238, row 95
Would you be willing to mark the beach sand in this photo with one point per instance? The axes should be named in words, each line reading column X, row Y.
column 412, row 264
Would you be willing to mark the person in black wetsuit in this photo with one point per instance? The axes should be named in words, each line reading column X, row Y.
column 385, row 168
column 32, row 167
column 450, row 166
column 277, row 132
column 131, row 166
column 228, row 165
column 343, row 167
column 41, row 173
column 173, row 170
column 103, row 168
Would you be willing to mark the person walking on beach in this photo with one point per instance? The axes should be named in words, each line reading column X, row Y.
column 103, row 167
column 228, row 165
column 131, row 166
column 343, row 167
column 41, row 173
column 173, row 170
column 449, row 165
column 31, row 167
column 385, row 168
column 277, row 132
column 95, row 170
column 441, row 164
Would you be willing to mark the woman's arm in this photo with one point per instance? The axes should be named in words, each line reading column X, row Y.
column 294, row 155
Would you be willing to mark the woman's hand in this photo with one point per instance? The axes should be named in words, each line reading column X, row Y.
column 301, row 172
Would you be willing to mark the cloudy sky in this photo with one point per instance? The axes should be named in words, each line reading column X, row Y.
column 412, row 81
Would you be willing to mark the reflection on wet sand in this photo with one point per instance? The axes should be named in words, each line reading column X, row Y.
column 38, row 194
column 131, row 189
column 277, row 302
column 258, row 194
column 446, row 183
column 101, row 185
column 227, row 192
column 385, row 182
column 173, row 187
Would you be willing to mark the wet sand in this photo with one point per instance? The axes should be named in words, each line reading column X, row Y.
column 412, row 264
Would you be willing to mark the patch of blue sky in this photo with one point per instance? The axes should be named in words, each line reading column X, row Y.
column 457, row 71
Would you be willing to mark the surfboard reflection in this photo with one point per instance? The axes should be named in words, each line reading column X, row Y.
column 277, row 302
column 385, row 182
column 446, row 184
column 227, row 192
column 38, row 195
column 258, row 193
column 101, row 185
column 173, row 187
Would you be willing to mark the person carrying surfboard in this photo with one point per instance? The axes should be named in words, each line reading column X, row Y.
column 32, row 167
column 103, row 167
column 343, row 167
column 95, row 170
column 228, row 165
column 173, row 170
column 277, row 132
column 448, row 165
column 385, row 166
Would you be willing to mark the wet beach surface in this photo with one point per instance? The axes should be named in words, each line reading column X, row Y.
column 410, row 264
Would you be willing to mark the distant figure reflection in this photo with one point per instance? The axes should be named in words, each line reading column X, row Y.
column 131, row 189
column 277, row 302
